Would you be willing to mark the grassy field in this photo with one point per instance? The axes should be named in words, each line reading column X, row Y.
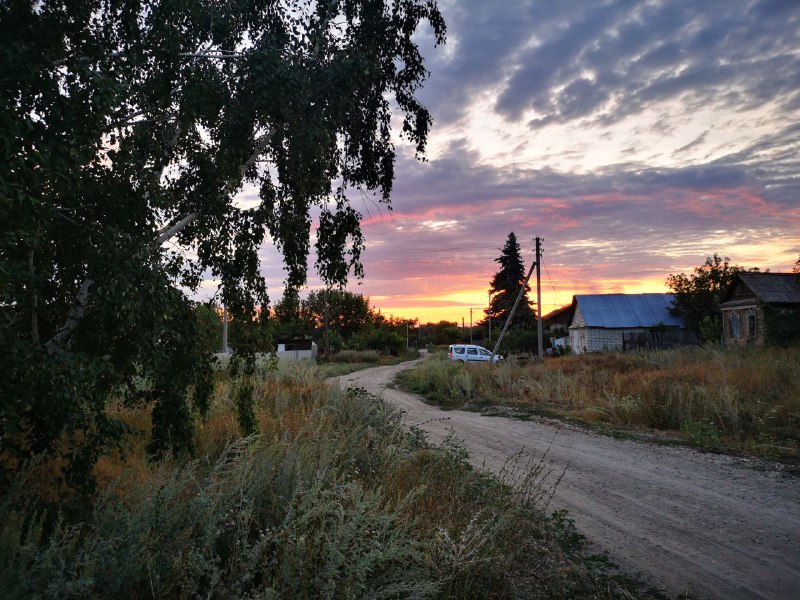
column 332, row 499
column 735, row 400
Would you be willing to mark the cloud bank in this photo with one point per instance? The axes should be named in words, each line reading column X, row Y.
column 636, row 138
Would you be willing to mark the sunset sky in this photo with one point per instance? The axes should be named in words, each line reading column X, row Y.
column 635, row 138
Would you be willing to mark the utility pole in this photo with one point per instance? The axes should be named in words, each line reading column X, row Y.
column 516, row 304
column 470, row 324
column 327, row 324
column 489, row 315
column 539, row 325
column 407, row 322
column 224, row 329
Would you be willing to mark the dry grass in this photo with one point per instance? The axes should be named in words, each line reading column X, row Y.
column 742, row 400
column 331, row 477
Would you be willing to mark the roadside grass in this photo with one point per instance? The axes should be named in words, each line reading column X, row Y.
column 333, row 498
column 350, row 361
column 743, row 400
column 341, row 363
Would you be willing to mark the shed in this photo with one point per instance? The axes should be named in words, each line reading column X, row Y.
column 623, row 321
column 297, row 349
column 559, row 318
column 761, row 306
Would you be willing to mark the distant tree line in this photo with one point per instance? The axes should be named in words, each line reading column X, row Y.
column 352, row 324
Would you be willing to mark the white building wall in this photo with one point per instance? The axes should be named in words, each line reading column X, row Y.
column 598, row 339
column 294, row 355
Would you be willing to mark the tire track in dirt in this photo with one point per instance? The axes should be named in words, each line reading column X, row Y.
column 715, row 526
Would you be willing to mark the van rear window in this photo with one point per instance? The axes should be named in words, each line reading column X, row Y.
column 459, row 349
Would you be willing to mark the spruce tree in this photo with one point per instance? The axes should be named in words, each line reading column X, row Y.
column 505, row 286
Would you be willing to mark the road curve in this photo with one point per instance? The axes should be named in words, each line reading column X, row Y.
column 713, row 526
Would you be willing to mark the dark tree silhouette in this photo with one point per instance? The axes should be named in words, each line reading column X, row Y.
column 697, row 295
column 505, row 286
column 128, row 125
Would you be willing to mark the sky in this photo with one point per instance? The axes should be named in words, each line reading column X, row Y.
column 635, row 138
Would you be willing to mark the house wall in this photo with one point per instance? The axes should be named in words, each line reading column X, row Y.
column 750, row 327
column 598, row 339
column 294, row 355
column 291, row 351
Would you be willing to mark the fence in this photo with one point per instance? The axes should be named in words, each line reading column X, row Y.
column 668, row 338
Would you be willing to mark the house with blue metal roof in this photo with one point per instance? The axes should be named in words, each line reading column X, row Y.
column 603, row 322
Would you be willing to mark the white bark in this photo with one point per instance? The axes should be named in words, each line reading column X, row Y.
column 177, row 228
column 76, row 313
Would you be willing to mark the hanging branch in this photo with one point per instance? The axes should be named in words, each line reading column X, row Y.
column 169, row 231
column 78, row 308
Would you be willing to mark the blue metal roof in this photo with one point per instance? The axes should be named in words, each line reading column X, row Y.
column 616, row 311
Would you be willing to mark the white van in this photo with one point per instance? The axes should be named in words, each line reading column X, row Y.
column 470, row 353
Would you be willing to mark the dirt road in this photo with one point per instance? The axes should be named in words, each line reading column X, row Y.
column 716, row 526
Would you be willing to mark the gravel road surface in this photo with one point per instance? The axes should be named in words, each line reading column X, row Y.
column 684, row 521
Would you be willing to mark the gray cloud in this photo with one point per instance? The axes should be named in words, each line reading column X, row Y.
column 613, row 59
column 599, row 63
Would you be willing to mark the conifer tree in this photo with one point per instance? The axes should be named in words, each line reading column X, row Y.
column 505, row 286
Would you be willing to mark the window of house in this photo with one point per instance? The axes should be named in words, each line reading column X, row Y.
column 735, row 330
column 751, row 325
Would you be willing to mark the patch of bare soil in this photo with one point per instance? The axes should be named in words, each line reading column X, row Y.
column 684, row 521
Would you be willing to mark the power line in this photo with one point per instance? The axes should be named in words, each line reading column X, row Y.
column 551, row 281
column 430, row 250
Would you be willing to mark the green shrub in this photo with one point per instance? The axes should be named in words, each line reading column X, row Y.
column 356, row 356
column 703, row 434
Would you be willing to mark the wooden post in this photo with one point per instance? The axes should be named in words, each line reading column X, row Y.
column 224, row 329
column 539, row 325
column 513, row 310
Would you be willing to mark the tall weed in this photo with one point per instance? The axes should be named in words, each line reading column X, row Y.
column 331, row 498
column 751, row 397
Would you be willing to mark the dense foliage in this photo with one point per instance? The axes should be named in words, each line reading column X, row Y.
column 130, row 125
column 697, row 296
column 505, row 285
column 333, row 316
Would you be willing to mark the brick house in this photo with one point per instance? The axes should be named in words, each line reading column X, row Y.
column 756, row 302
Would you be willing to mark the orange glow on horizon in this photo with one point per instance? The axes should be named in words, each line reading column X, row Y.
column 449, row 297
column 456, row 304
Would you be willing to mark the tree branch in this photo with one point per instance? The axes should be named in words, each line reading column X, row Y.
column 34, row 299
column 177, row 228
column 167, row 232
column 332, row 6
column 76, row 313
column 78, row 308
column 221, row 54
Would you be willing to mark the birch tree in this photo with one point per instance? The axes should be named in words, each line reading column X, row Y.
column 130, row 130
